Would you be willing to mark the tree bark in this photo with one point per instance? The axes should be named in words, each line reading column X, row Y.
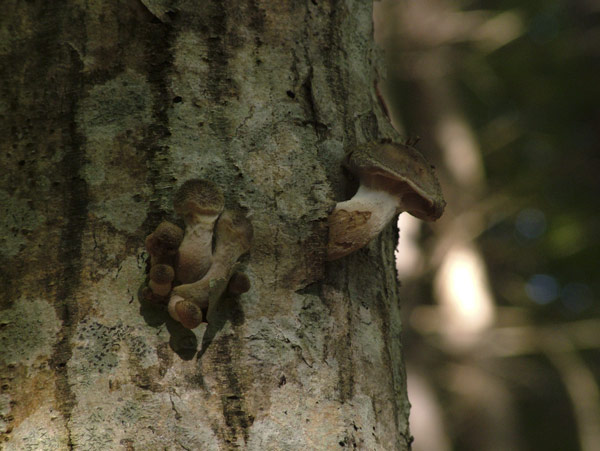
column 106, row 108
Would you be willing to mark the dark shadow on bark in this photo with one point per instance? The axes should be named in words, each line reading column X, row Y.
column 228, row 308
column 182, row 341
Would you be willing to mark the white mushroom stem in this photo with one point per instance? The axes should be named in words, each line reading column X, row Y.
column 355, row 222
column 234, row 235
column 214, row 282
column 195, row 251
column 172, row 307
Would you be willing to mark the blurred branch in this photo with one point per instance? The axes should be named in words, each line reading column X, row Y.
column 580, row 384
column 512, row 341
column 560, row 343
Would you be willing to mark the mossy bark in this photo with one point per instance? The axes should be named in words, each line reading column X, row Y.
column 106, row 107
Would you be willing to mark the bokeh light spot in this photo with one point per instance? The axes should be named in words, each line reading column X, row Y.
column 530, row 223
column 542, row 288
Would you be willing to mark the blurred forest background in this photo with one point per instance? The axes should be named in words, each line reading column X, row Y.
column 500, row 297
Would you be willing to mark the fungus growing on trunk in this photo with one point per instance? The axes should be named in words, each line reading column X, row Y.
column 162, row 244
column 233, row 237
column 238, row 284
column 199, row 203
column 161, row 278
column 393, row 178
column 186, row 312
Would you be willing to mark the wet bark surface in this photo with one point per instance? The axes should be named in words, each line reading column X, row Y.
column 106, row 108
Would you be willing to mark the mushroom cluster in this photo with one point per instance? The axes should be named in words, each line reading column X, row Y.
column 393, row 178
column 186, row 274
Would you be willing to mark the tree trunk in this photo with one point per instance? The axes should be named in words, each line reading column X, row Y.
column 106, row 108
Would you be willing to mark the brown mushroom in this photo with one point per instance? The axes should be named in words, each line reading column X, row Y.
column 162, row 244
column 238, row 284
column 199, row 203
column 233, row 237
column 186, row 312
column 161, row 278
column 393, row 178
column 154, row 298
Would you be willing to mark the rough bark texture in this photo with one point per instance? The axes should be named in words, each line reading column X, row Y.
column 106, row 107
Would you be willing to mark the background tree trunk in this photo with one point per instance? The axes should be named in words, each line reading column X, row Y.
column 107, row 107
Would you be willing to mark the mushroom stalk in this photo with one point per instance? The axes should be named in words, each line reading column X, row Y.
column 355, row 222
column 234, row 235
column 195, row 250
column 199, row 203
column 213, row 284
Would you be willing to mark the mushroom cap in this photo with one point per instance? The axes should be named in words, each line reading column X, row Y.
column 239, row 283
column 165, row 240
column 190, row 316
column 162, row 273
column 198, row 197
column 400, row 170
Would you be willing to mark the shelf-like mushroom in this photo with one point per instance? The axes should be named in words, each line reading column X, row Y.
column 393, row 178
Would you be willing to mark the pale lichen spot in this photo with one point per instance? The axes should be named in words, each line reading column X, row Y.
column 118, row 107
column 123, row 212
column 39, row 431
column 28, row 331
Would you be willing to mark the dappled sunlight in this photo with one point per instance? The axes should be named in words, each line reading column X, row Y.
column 463, row 292
column 461, row 152
column 409, row 258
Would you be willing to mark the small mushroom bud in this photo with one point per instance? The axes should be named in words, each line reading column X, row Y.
column 161, row 278
column 199, row 203
column 162, row 244
column 238, row 284
column 234, row 234
column 393, row 178
column 186, row 312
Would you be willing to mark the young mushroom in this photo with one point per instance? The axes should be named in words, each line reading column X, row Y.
column 186, row 312
column 393, row 178
column 233, row 237
column 162, row 244
column 238, row 284
column 161, row 278
column 199, row 203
